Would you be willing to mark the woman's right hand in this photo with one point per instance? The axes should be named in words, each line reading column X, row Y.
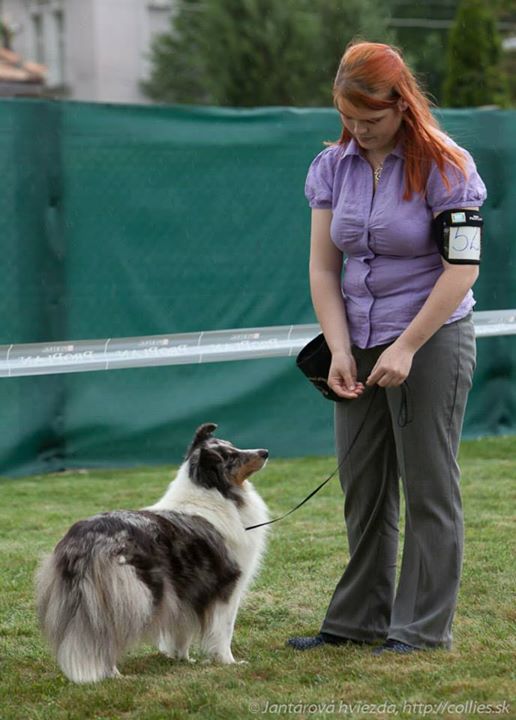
column 342, row 377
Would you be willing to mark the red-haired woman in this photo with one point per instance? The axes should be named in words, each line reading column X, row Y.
column 394, row 302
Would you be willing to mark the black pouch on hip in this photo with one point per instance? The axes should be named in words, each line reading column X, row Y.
column 314, row 361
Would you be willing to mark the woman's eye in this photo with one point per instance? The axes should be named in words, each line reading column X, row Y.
column 346, row 118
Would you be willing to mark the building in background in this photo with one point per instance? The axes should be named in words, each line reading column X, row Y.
column 19, row 77
column 94, row 50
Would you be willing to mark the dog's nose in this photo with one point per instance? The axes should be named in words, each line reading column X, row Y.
column 264, row 454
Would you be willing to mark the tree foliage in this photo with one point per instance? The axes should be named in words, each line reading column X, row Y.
column 258, row 52
column 474, row 59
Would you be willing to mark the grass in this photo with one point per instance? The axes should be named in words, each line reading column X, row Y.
column 306, row 555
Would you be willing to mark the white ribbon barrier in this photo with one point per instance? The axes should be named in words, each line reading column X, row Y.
column 187, row 348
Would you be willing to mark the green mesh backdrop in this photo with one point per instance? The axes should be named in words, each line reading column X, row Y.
column 122, row 221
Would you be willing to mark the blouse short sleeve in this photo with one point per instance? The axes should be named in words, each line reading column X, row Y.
column 319, row 181
column 464, row 192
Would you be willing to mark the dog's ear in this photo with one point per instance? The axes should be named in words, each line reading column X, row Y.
column 202, row 433
column 207, row 468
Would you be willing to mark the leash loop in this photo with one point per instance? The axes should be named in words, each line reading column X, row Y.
column 406, row 412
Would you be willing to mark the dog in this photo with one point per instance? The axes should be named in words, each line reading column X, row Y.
column 172, row 573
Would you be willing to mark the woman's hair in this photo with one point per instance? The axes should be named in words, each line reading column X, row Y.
column 368, row 70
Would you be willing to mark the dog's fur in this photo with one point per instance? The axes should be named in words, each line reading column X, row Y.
column 171, row 573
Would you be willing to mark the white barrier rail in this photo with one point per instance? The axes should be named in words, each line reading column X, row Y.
column 187, row 348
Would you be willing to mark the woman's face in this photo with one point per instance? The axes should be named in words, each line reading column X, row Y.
column 374, row 130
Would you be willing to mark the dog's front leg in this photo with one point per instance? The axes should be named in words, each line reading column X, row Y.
column 216, row 641
column 176, row 645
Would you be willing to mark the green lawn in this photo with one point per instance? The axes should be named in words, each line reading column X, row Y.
column 306, row 554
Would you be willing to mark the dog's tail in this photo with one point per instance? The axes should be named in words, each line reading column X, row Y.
column 90, row 617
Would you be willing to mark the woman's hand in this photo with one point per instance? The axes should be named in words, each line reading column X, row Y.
column 342, row 377
column 392, row 367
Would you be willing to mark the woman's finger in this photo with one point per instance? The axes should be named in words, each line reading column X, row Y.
column 342, row 390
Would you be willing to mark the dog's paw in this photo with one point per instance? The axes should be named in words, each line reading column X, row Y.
column 231, row 661
column 219, row 660
column 182, row 658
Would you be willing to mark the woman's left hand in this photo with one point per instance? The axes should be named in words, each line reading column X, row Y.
column 392, row 367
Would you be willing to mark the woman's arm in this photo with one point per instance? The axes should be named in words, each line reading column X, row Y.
column 446, row 296
column 393, row 365
column 325, row 274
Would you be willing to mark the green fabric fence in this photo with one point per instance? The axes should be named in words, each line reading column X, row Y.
column 119, row 221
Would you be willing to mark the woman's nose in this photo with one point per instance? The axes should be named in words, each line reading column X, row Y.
column 360, row 129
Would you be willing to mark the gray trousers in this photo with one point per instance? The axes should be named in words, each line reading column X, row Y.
column 366, row 605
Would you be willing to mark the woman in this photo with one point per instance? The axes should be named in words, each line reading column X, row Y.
column 398, row 310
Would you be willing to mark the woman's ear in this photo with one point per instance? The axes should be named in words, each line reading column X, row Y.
column 402, row 104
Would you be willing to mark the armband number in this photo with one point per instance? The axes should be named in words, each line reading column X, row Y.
column 458, row 234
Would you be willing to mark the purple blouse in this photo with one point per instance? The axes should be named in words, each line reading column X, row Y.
column 391, row 262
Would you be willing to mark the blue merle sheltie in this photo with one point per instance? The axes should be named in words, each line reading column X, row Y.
column 171, row 574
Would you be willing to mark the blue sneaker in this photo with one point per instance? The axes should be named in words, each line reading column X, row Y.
column 395, row 646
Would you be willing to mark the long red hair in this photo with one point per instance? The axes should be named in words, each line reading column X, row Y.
column 370, row 69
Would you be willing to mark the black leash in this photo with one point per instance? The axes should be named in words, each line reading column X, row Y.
column 405, row 416
column 406, row 413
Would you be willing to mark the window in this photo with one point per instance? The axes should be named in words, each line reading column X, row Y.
column 37, row 33
column 59, row 70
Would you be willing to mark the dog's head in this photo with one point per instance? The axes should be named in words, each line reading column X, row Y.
column 219, row 465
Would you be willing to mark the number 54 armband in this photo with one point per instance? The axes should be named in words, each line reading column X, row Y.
column 458, row 235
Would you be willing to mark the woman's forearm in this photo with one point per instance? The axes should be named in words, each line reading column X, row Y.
column 329, row 308
column 394, row 364
column 447, row 294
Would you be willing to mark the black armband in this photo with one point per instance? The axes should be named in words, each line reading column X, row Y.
column 458, row 236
